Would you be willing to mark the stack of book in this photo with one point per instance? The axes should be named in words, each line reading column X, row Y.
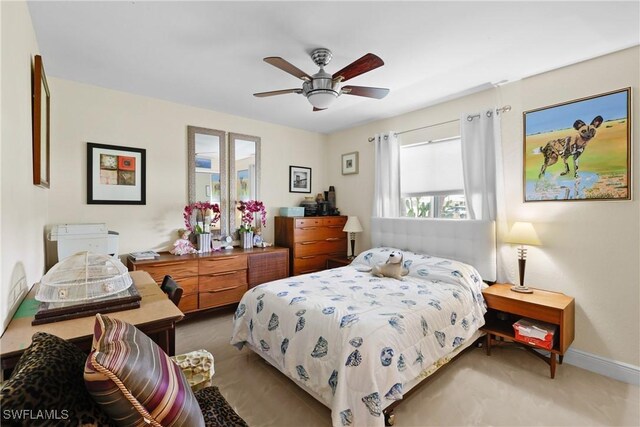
column 141, row 256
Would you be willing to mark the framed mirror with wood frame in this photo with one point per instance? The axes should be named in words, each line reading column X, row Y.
column 41, row 103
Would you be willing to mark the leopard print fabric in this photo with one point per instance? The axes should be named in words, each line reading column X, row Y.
column 47, row 388
column 216, row 410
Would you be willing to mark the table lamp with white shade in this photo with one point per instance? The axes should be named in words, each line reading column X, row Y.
column 352, row 227
column 522, row 233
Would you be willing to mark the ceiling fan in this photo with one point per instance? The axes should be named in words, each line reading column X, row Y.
column 322, row 88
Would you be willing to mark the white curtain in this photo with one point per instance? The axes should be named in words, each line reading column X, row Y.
column 483, row 177
column 386, row 197
column 481, row 151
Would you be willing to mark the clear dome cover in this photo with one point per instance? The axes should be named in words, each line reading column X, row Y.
column 82, row 277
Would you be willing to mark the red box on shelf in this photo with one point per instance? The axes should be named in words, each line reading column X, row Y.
column 535, row 333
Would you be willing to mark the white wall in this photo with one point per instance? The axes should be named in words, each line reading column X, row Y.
column 591, row 249
column 84, row 113
column 24, row 206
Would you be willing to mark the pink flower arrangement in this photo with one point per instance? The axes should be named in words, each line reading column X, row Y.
column 248, row 209
column 200, row 208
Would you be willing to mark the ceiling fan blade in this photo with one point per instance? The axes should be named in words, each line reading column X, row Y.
column 278, row 62
column 276, row 92
column 318, row 109
column 359, row 66
column 369, row 92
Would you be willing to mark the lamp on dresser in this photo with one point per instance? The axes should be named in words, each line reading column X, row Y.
column 522, row 233
column 352, row 227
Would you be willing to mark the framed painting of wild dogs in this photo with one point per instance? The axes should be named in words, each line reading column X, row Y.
column 579, row 150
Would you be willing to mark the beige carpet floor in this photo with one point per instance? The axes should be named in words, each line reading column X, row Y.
column 509, row 388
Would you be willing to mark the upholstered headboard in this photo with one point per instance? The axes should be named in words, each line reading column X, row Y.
column 472, row 242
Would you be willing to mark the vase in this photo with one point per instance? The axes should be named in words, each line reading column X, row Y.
column 204, row 242
column 246, row 238
column 332, row 197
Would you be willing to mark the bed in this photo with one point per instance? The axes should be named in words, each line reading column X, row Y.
column 358, row 343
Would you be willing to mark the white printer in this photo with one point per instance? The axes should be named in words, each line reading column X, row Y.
column 73, row 238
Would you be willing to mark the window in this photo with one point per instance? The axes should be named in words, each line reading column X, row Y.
column 431, row 181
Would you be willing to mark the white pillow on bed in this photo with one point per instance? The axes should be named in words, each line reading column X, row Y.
column 419, row 265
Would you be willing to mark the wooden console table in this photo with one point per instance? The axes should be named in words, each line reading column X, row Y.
column 156, row 317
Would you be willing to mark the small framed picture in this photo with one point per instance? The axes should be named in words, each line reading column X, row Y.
column 299, row 179
column 350, row 163
column 115, row 175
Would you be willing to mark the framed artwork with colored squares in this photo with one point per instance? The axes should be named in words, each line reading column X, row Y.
column 115, row 175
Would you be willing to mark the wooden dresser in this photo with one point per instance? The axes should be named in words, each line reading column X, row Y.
column 217, row 278
column 311, row 241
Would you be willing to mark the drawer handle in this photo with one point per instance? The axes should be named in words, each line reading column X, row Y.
column 226, row 273
column 307, row 257
column 213, row 291
column 308, row 243
column 332, row 239
column 308, row 228
column 335, row 226
column 166, row 264
column 223, row 258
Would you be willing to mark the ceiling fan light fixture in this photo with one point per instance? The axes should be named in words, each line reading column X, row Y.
column 322, row 88
column 322, row 98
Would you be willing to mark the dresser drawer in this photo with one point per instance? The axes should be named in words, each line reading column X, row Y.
column 307, row 222
column 189, row 285
column 534, row 311
column 188, row 303
column 177, row 270
column 309, row 264
column 319, row 247
column 221, row 297
column 228, row 279
column 336, row 221
column 305, row 234
column 222, row 264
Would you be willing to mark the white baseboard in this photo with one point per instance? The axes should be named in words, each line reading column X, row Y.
column 601, row 365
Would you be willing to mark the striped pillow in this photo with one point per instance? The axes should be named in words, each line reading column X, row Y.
column 134, row 381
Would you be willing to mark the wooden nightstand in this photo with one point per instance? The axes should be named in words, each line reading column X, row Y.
column 551, row 307
column 334, row 262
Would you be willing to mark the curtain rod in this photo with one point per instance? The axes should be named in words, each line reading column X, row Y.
column 469, row 118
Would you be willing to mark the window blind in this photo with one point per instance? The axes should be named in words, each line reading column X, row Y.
column 433, row 168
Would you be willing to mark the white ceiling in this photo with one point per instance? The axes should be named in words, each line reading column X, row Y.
column 209, row 54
